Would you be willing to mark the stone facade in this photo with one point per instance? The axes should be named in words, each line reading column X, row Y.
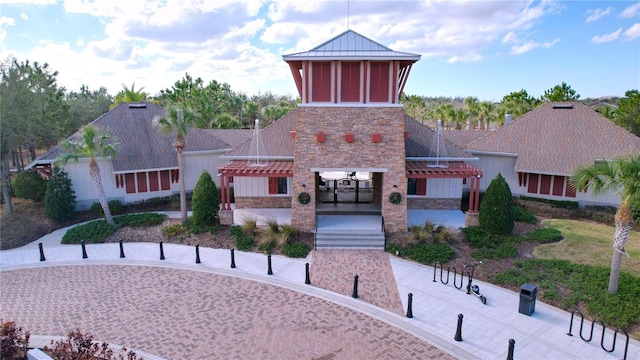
column 263, row 202
column 387, row 156
column 433, row 204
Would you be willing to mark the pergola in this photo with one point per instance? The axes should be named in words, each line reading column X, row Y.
column 415, row 169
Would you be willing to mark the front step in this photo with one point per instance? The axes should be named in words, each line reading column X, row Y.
column 349, row 239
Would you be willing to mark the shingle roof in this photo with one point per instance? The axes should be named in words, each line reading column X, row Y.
column 420, row 142
column 462, row 138
column 351, row 45
column 555, row 138
column 141, row 145
column 276, row 138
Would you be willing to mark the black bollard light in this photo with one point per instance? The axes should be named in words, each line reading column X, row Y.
column 307, row 279
column 458, row 336
column 233, row 260
column 121, row 250
column 42, row 258
column 269, row 270
column 355, row 287
column 197, row 254
column 512, row 344
column 84, row 250
column 161, row 251
column 409, row 306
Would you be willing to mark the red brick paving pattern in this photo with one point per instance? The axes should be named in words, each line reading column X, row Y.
column 334, row 270
column 180, row 314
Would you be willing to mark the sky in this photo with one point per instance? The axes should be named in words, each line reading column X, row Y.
column 485, row 49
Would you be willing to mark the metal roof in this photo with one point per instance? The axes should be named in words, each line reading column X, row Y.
column 351, row 46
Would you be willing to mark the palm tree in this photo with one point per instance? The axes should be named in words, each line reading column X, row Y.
column 129, row 95
column 471, row 105
column 94, row 143
column 178, row 122
column 486, row 114
column 621, row 175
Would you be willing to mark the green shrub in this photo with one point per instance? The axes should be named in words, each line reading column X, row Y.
column 173, row 230
column 115, row 206
column 544, row 235
column 394, row 248
column 236, row 231
column 428, row 254
column 244, row 242
column 60, row 199
column 92, row 232
column 296, row 250
column 478, row 237
column 288, row 235
column 250, row 226
column 30, row 185
column 497, row 209
column 502, row 251
column 139, row 220
column 267, row 243
column 564, row 204
column 273, row 226
column 523, row 215
column 206, row 201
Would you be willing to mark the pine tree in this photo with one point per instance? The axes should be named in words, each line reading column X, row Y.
column 60, row 199
column 497, row 209
column 206, row 201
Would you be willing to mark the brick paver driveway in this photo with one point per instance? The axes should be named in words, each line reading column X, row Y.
column 181, row 314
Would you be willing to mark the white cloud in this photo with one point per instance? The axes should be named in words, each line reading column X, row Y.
column 466, row 58
column 510, row 37
column 24, row 16
column 607, row 37
column 598, row 13
column 631, row 11
column 7, row 21
column 532, row 45
column 28, row 2
column 632, row 33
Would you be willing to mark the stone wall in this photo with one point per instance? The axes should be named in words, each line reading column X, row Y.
column 335, row 152
column 264, row 202
column 433, row 204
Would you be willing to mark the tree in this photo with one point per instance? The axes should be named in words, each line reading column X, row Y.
column 497, row 209
column 621, row 175
column 250, row 110
column 486, row 114
column 562, row 92
column 60, row 199
column 471, row 105
column 516, row 103
column 94, row 143
column 129, row 95
column 30, row 185
column 628, row 113
column 85, row 106
column 206, row 201
column 178, row 122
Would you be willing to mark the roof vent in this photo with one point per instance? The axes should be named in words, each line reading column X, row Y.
column 137, row 106
column 563, row 106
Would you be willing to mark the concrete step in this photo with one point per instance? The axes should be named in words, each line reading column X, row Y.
column 350, row 239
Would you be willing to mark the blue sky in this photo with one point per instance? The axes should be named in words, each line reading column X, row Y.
column 485, row 49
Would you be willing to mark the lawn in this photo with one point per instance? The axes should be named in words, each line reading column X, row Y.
column 589, row 244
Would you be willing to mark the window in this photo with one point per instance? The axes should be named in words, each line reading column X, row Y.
column 533, row 184
column 119, row 181
column 416, row 186
column 277, row 185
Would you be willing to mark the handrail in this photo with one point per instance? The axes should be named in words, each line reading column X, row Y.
column 315, row 235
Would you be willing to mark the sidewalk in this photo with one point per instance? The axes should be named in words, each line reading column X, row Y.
column 486, row 329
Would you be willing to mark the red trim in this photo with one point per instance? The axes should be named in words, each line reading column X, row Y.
column 273, row 185
column 476, row 206
column 421, row 169
column 153, row 181
column 165, row 182
column 335, row 81
column 295, row 67
column 379, row 84
column 350, row 81
column 306, row 81
column 376, row 138
column 532, row 188
column 545, row 184
column 321, row 137
column 349, row 138
column 292, row 133
column 421, row 186
column 142, row 182
column 321, row 81
column 558, row 185
column 130, row 182
column 228, row 189
column 472, row 194
column 395, row 82
column 273, row 168
column 364, row 81
column 222, row 192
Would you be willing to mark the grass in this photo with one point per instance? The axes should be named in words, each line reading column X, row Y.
column 589, row 244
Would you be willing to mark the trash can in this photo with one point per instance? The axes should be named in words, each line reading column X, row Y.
column 528, row 293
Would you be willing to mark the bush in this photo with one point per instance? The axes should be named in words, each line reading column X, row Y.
column 82, row 346
column 288, row 235
column 268, row 242
column 523, row 215
column 428, row 254
column 250, row 226
column 173, row 230
column 236, row 231
column 244, row 242
column 30, row 185
column 564, row 204
column 15, row 341
column 92, row 232
column 60, row 199
column 115, row 206
column 478, row 237
column 144, row 219
column 545, row 235
column 502, row 251
column 296, row 250
column 497, row 209
column 206, row 201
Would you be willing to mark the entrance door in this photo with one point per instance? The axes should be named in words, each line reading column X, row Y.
column 345, row 187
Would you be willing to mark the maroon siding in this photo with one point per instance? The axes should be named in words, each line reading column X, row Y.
column 558, row 185
column 545, row 184
column 321, row 86
column 421, row 186
column 153, row 181
column 533, row 184
column 273, row 185
column 142, row 182
column 165, row 182
column 569, row 190
column 379, row 86
column 350, row 82
column 130, row 181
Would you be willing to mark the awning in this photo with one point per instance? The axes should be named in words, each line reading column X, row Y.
column 429, row 169
column 270, row 169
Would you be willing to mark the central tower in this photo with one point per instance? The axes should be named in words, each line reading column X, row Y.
column 350, row 119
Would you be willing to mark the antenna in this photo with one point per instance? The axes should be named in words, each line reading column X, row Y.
column 257, row 151
column 348, row 13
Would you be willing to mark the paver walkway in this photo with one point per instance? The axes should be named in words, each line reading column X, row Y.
column 334, row 270
column 180, row 314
